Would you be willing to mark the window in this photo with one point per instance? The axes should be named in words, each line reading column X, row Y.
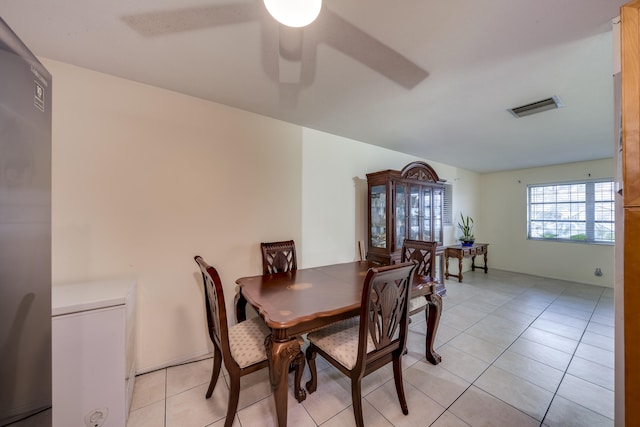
column 572, row 212
column 447, row 205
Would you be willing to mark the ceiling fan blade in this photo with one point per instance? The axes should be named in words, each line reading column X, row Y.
column 192, row 18
column 350, row 40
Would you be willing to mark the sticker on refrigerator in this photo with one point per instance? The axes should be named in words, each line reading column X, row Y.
column 38, row 96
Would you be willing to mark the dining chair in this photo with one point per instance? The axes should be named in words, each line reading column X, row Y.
column 378, row 336
column 423, row 253
column 278, row 257
column 241, row 347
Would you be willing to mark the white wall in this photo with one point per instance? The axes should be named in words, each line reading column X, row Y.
column 466, row 200
column 334, row 194
column 503, row 224
column 144, row 179
column 334, row 186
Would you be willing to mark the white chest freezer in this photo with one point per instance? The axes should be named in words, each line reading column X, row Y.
column 93, row 352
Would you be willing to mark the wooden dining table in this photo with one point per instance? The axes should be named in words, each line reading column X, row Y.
column 300, row 301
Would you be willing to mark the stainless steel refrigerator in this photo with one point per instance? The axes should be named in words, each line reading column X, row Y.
column 25, row 235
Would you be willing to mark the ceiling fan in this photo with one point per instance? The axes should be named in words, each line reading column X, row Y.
column 288, row 53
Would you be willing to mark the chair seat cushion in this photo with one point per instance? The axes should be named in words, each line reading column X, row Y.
column 246, row 341
column 417, row 303
column 340, row 341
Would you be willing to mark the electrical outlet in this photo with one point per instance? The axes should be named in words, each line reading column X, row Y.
column 96, row 417
column 598, row 272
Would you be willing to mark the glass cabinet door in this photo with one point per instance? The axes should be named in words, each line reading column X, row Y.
column 403, row 205
column 379, row 216
column 427, row 234
column 401, row 215
column 437, row 214
column 414, row 213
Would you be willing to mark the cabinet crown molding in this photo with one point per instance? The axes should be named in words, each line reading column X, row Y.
column 420, row 171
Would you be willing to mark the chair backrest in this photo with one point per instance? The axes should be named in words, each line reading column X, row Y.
column 422, row 252
column 384, row 311
column 216, row 311
column 278, row 257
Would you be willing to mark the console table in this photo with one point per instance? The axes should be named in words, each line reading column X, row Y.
column 460, row 252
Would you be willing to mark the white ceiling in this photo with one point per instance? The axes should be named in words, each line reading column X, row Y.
column 425, row 77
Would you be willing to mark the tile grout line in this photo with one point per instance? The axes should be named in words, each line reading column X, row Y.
column 564, row 374
column 507, row 348
column 491, row 364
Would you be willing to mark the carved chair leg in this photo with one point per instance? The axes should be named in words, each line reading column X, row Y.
column 356, row 396
column 234, row 397
column 397, row 377
column 312, row 384
column 217, row 364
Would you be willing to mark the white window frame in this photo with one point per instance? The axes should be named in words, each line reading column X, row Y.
column 447, row 205
column 575, row 212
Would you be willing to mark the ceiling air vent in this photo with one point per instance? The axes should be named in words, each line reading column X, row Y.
column 536, row 107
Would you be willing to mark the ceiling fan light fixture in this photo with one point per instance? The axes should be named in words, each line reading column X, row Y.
column 294, row 13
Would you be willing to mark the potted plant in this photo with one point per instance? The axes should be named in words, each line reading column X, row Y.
column 466, row 226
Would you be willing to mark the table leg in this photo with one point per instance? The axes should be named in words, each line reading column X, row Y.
column 459, row 268
column 473, row 263
column 485, row 263
column 280, row 355
column 241, row 307
column 434, row 308
column 446, row 268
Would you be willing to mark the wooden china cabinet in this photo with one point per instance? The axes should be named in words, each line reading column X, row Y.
column 405, row 204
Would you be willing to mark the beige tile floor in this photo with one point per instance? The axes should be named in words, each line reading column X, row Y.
column 517, row 350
